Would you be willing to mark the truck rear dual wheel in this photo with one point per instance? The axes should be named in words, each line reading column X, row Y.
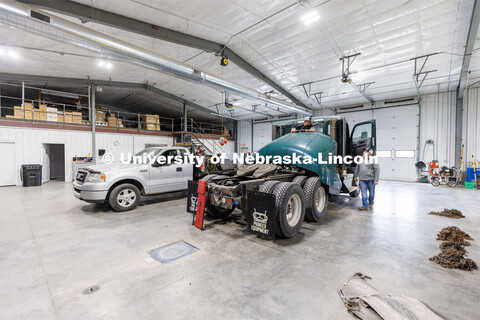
column 268, row 186
column 316, row 200
column 300, row 180
column 290, row 204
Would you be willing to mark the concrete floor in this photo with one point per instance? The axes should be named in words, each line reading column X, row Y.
column 53, row 246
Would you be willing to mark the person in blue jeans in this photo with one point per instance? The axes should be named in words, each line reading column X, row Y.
column 368, row 176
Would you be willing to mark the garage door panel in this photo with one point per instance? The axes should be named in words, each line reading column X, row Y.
column 397, row 129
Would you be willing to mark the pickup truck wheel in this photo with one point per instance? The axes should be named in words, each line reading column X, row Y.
column 300, row 180
column 290, row 203
column 268, row 186
column 316, row 200
column 124, row 197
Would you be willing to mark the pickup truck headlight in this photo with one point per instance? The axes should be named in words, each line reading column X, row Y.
column 96, row 177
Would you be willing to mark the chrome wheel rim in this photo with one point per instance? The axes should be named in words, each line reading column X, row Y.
column 294, row 210
column 126, row 198
column 320, row 199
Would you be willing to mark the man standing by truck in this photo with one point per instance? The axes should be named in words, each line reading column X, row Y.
column 368, row 176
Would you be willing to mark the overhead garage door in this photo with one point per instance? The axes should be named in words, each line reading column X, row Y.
column 262, row 135
column 397, row 139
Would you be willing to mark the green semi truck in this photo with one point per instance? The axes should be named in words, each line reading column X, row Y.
column 301, row 189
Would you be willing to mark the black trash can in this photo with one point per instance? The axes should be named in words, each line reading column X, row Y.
column 31, row 175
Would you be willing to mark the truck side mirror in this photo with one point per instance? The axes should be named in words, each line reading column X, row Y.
column 155, row 164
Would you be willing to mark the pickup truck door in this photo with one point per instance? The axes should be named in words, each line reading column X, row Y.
column 187, row 169
column 167, row 177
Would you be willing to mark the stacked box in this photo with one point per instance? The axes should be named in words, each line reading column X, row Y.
column 101, row 116
column 151, row 122
column 68, row 117
column 60, row 117
column 112, row 121
column 42, row 112
column 149, row 126
column 51, row 114
column 77, row 117
column 18, row 113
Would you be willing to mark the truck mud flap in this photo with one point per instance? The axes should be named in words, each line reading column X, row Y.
column 261, row 214
column 192, row 196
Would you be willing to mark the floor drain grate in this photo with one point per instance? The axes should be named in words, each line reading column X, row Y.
column 91, row 290
column 172, row 251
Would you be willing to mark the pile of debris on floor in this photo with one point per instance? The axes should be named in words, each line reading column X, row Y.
column 453, row 252
column 450, row 213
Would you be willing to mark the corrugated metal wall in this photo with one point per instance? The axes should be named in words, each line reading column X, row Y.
column 471, row 120
column 437, row 123
column 28, row 144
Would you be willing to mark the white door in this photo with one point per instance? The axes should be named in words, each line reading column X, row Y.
column 8, row 174
column 45, row 163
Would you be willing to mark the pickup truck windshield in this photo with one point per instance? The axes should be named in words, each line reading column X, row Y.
column 148, row 153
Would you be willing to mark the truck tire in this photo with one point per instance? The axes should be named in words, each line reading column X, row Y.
column 290, row 205
column 316, row 199
column 268, row 186
column 215, row 211
column 300, row 180
column 124, row 197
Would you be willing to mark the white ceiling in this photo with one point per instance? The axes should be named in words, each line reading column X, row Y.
column 271, row 36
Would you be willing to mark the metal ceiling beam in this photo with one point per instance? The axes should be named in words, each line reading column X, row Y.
column 89, row 13
column 472, row 34
column 103, row 83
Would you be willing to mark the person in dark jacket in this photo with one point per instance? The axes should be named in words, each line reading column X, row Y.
column 368, row 176
column 306, row 126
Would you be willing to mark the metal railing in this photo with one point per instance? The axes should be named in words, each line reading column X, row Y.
column 49, row 111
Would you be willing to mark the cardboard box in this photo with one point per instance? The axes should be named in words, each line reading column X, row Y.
column 60, row 117
column 100, row 116
column 149, row 126
column 68, row 117
column 77, row 117
column 9, row 116
column 51, row 114
column 151, row 118
column 18, row 113
column 113, row 122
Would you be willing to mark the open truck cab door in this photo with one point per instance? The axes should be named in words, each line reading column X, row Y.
column 363, row 138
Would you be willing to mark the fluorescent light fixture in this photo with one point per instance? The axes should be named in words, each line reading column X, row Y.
column 310, row 17
column 101, row 63
column 108, row 65
column 13, row 9
column 12, row 54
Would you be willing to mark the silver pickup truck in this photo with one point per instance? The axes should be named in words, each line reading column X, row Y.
column 122, row 185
